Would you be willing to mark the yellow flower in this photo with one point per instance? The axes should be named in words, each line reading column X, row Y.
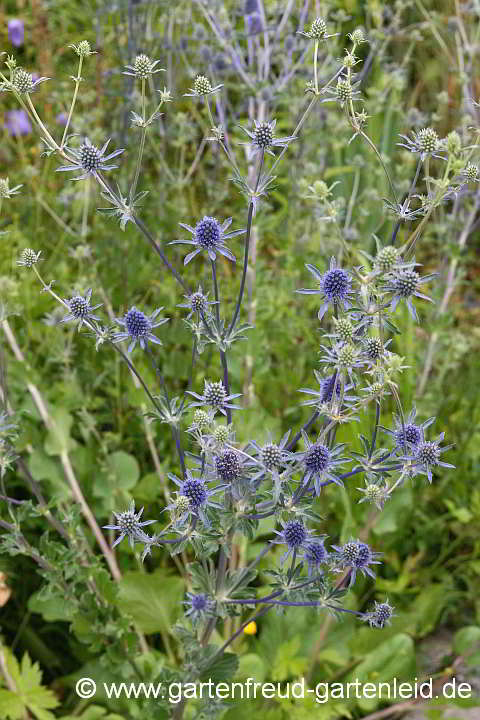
column 251, row 628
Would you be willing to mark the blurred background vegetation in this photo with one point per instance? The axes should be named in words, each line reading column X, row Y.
column 414, row 68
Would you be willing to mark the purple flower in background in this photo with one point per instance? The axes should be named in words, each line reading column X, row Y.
column 17, row 122
column 16, row 32
column 61, row 119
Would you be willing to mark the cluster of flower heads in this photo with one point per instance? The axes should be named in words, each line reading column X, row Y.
column 270, row 474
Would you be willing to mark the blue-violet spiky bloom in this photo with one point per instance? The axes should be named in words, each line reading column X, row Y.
column 80, row 309
column 315, row 555
column 197, row 303
column 199, row 605
column 198, row 494
column 89, row 160
column 357, row 556
column 404, row 284
column 294, row 535
column 210, row 236
column 380, row 615
column 408, row 436
column 129, row 525
column 335, row 285
column 263, row 138
column 319, row 462
column 138, row 328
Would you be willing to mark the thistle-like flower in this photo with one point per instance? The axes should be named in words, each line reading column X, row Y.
column 263, row 138
column 29, row 257
column 318, row 30
column 198, row 606
column 215, row 396
column 202, row 87
column 90, row 160
column 315, row 555
column 198, row 494
column 129, row 525
column 408, row 435
column 6, row 192
column 404, row 284
column 80, row 309
column 23, row 82
column 335, row 285
column 425, row 142
column 83, row 49
column 427, row 456
column 197, row 303
column 374, row 493
column 319, row 462
column 143, row 67
column 210, row 236
column 358, row 556
column 138, row 328
column 294, row 535
column 380, row 616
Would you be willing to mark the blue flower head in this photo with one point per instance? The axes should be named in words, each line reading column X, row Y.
column 319, row 462
column 335, row 285
column 356, row 556
column 138, row 328
column 315, row 554
column 294, row 535
column 129, row 525
column 199, row 606
column 89, row 160
column 209, row 236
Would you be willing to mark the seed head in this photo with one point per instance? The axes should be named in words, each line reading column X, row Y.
column 215, row 394
column 386, row 258
column 221, row 434
column 405, row 282
column 358, row 36
column 22, row 81
column 136, row 323
column 318, row 29
column 344, row 329
column 346, row 356
column 142, row 66
column 208, row 232
column 202, row 85
column 317, row 457
column 374, row 493
column 472, row 173
column 295, row 534
column 271, row 456
column 182, row 505
column 83, row 48
column 428, row 140
column 373, row 347
column 202, row 420
column 263, row 135
column 344, row 90
column 376, row 388
column 28, row 257
column 194, row 490
column 453, row 143
column 228, row 465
